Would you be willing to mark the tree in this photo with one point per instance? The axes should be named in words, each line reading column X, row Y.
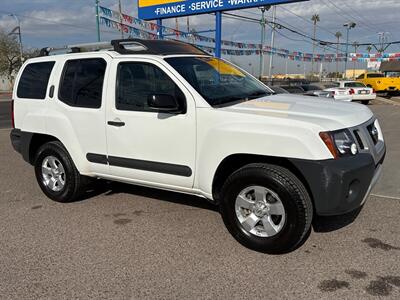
column 10, row 60
column 315, row 19
column 369, row 49
column 338, row 35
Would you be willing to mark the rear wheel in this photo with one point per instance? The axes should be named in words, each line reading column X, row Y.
column 266, row 208
column 365, row 102
column 56, row 173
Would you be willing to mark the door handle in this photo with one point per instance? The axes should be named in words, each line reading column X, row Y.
column 51, row 92
column 116, row 123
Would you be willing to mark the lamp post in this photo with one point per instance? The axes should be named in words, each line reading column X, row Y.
column 348, row 26
column 19, row 36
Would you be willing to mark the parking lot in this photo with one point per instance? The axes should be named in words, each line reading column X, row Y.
column 131, row 242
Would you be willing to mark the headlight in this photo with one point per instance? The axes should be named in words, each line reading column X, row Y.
column 340, row 143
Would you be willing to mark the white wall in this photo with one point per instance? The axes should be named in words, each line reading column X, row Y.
column 5, row 84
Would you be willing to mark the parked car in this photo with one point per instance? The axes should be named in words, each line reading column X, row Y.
column 381, row 84
column 341, row 94
column 165, row 114
column 357, row 90
column 315, row 90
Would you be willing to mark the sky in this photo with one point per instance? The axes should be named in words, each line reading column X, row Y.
column 56, row 23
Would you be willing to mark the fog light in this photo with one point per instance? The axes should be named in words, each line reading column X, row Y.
column 353, row 149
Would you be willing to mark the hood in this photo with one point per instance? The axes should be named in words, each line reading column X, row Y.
column 324, row 112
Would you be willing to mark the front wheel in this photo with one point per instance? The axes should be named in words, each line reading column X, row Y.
column 266, row 208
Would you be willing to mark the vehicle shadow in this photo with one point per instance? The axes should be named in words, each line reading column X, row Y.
column 332, row 223
column 108, row 188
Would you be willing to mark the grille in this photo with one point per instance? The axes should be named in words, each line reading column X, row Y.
column 358, row 138
column 373, row 132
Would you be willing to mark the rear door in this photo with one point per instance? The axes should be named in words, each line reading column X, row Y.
column 76, row 114
column 146, row 145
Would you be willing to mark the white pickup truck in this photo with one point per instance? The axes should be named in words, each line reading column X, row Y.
column 167, row 115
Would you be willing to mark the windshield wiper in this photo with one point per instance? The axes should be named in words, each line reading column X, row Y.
column 258, row 94
column 225, row 100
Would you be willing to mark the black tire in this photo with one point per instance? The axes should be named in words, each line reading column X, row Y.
column 73, row 180
column 293, row 195
column 365, row 102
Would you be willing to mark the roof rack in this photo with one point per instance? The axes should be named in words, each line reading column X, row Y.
column 76, row 48
column 130, row 46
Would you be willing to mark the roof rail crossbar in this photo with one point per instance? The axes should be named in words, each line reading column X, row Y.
column 76, row 48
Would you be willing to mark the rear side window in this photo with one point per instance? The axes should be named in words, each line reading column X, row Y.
column 82, row 82
column 354, row 84
column 34, row 80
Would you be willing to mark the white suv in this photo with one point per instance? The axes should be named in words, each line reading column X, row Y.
column 165, row 114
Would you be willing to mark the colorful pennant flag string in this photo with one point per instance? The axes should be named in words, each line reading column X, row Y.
column 148, row 30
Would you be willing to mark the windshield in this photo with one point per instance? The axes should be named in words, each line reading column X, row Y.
column 218, row 81
column 375, row 75
column 354, row 84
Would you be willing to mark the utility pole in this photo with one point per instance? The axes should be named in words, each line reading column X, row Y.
column 97, row 21
column 121, row 19
column 177, row 28
column 338, row 35
column 286, row 68
column 321, row 69
column 190, row 36
column 19, row 37
column 355, row 45
column 262, row 23
column 348, row 27
column 271, row 57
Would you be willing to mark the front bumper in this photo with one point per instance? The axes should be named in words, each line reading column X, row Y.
column 342, row 185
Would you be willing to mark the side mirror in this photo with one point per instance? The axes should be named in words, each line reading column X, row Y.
column 163, row 103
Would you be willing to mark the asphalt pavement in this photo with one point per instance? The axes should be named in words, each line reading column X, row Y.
column 5, row 114
column 128, row 242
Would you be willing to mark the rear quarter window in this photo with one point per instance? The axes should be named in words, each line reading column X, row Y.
column 34, row 80
column 82, row 82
